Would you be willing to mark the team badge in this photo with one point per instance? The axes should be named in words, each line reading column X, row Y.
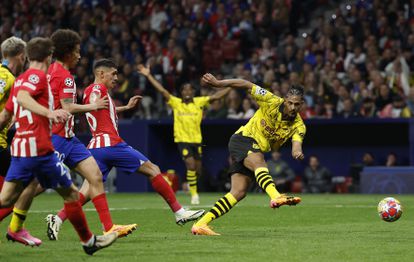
column 2, row 85
column 68, row 82
column 34, row 79
column 261, row 91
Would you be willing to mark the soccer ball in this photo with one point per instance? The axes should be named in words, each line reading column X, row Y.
column 389, row 209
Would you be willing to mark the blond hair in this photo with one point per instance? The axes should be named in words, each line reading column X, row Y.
column 12, row 47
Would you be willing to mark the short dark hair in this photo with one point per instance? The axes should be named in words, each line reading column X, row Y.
column 295, row 90
column 65, row 42
column 39, row 48
column 104, row 62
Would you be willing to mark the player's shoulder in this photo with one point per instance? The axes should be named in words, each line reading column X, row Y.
column 98, row 88
column 57, row 72
column 33, row 76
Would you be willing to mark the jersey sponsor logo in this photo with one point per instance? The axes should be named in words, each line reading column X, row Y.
column 34, row 79
column 68, row 90
column 69, row 82
column 261, row 91
column 3, row 84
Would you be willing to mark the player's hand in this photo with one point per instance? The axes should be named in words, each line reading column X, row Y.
column 209, row 79
column 298, row 155
column 101, row 103
column 145, row 71
column 133, row 102
column 59, row 116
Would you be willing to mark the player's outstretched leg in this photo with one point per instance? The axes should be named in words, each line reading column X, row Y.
column 277, row 200
column 159, row 184
column 93, row 187
column 76, row 216
column 239, row 185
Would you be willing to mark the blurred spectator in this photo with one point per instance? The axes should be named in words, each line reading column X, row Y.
column 280, row 171
column 391, row 160
column 317, row 178
column 248, row 110
column 366, row 52
column 217, row 110
column 397, row 109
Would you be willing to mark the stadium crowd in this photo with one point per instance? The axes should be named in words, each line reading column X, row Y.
column 354, row 64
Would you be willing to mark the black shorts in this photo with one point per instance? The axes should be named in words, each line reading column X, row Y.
column 190, row 150
column 5, row 160
column 239, row 147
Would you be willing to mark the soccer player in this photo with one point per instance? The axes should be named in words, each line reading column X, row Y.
column 32, row 151
column 71, row 151
column 188, row 113
column 14, row 57
column 108, row 148
column 272, row 125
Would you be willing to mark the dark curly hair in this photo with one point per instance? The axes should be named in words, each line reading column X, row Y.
column 65, row 42
column 295, row 90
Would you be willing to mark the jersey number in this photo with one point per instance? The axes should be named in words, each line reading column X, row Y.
column 91, row 121
column 20, row 112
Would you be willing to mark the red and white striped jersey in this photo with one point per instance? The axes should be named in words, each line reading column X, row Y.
column 103, row 123
column 63, row 86
column 33, row 132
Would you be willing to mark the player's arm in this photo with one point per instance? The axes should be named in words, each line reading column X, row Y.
column 219, row 94
column 26, row 101
column 297, row 152
column 146, row 72
column 233, row 83
column 132, row 103
column 5, row 117
column 73, row 108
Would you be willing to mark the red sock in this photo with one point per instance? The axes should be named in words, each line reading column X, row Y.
column 101, row 206
column 1, row 182
column 78, row 220
column 62, row 213
column 161, row 186
column 4, row 212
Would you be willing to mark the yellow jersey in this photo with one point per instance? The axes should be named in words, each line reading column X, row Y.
column 187, row 118
column 267, row 127
column 6, row 83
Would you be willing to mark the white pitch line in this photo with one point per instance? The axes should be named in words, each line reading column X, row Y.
column 199, row 206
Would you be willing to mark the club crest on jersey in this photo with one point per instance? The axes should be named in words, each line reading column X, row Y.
column 2, row 85
column 68, row 82
column 34, row 79
column 261, row 91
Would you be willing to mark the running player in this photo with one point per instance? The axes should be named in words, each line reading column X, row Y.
column 14, row 57
column 272, row 125
column 71, row 151
column 32, row 151
column 188, row 113
column 110, row 150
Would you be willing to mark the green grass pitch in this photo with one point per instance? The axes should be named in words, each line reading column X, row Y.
column 321, row 228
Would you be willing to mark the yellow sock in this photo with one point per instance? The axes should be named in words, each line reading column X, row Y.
column 17, row 220
column 265, row 181
column 222, row 206
column 192, row 182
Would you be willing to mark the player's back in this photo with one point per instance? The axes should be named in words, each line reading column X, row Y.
column 63, row 87
column 33, row 131
column 103, row 123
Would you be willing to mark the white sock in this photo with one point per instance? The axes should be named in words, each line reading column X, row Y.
column 179, row 212
column 90, row 242
column 58, row 219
